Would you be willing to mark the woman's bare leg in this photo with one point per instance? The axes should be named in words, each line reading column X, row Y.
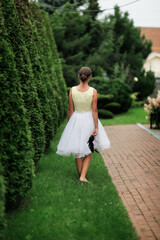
column 79, row 165
column 85, row 166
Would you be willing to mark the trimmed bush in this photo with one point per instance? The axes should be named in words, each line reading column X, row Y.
column 61, row 86
column 53, row 76
column 47, row 66
column 145, row 84
column 2, row 204
column 40, row 81
column 102, row 113
column 113, row 107
column 121, row 92
column 31, row 97
column 16, row 143
column 100, row 83
column 47, row 53
column 102, row 99
column 16, row 34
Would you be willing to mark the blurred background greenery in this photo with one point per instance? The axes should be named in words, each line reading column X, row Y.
column 113, row 48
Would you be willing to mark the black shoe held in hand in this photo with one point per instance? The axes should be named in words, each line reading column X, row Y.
column 91, row 144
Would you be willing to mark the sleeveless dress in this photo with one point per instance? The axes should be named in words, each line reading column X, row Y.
column 80, row 127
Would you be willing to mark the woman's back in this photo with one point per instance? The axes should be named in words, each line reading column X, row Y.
column 83, row 125
column 82, row 100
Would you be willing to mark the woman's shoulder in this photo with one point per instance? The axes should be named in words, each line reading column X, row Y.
column 73, row 87
column 73, row 90
column 94, row 93
column 94, row 90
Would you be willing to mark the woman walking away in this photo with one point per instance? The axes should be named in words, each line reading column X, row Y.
column 82, row 123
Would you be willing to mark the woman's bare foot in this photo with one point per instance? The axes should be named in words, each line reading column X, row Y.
column 83, row 179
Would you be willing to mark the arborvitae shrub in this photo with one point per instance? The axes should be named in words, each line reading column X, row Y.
column 17, row 32
column 57, row 111
column 102, row 113
column 38, row 131
column 145, row 84
column 52, row 70
column 102, row 100
column 99, row 83
column 40, row 73
column 62, row 88
column 46, row 63
column 113, row 107
column 2, row 204
column 121, row 92
column 16, row 142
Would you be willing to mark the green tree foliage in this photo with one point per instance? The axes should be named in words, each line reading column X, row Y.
column 58, row 82
column 41, row 80
column 51, row 5
column 102, row 52
column 103, row 99
column 119, row 89
column 23, row 64
column 26, row 60
column 47, row 68
column 83, row 40
column 122, row 92
column 102, row 113
column 78, row 39
column 93, row 8
column 113, row 107
column 52, row 83
column 2, row 203
column 30, row 95
column 100, row 83
column 71, row 42
column 145, row 84
column 16, row 142
column 129, row 47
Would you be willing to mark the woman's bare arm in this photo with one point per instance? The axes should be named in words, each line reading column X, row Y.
column 71, row 105
column 95, row 111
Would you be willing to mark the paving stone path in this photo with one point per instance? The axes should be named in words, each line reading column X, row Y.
column 133, row 162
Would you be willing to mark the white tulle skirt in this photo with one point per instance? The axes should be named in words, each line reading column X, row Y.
column 76, row 135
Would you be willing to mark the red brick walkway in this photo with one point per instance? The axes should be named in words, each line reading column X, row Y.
column 133, row 162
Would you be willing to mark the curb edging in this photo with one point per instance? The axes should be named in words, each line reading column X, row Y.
column 149, row 131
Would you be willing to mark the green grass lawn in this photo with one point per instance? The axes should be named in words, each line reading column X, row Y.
column 60, row 207
column 134, row 115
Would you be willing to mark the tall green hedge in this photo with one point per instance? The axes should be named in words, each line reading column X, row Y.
column 41, row 79
column 33, row 95
column 38, row 126
column 16, row 143
column 17, row 36
column 2, row 203
column 53, row 75
column 58, row 67
column 49, row 50
column 47, row 66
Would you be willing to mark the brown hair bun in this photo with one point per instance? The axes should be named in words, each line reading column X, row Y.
column 84, row 73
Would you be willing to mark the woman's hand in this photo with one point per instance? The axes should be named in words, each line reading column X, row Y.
column 95, row 132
